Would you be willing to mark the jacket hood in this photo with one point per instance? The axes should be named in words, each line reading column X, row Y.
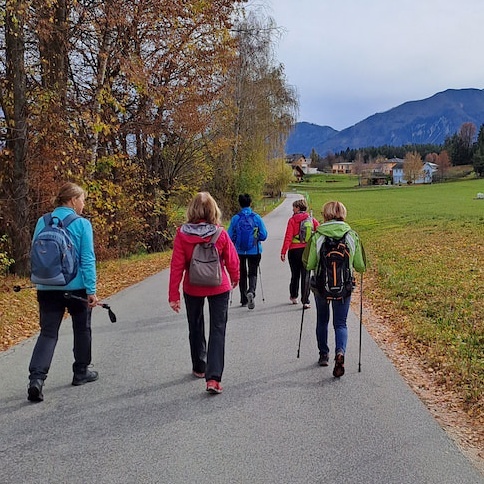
column 333, row 229
column 246, row 210
column 201, row 230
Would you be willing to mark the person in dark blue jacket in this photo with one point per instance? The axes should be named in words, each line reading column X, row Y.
column 247, row 231
column 53, row 303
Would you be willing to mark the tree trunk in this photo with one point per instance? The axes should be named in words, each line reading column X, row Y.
column 53, row 40
column 17, row 188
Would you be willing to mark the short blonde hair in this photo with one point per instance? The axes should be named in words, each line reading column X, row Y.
column 301, row 204
column 203, row 207
column 334, row 211
column 67, row 192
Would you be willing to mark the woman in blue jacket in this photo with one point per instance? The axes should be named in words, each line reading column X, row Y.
column 53, row 303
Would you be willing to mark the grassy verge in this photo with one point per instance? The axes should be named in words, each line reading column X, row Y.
column 18, row 310
column 425, row 250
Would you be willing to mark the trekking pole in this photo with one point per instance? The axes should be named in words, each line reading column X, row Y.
column 112, row 316
column 260, row 284
column 19, row 288
column 361, row 322
column 300, row 332
column 304, row 298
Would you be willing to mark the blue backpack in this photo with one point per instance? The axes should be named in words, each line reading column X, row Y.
column 245, row 233
column 53, row 255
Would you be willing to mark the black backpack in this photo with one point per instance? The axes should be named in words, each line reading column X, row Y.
column 333, row 278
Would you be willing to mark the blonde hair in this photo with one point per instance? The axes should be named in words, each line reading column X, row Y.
column 66, row 192
column 301, row 204
column 334, row 211
column 203, row 207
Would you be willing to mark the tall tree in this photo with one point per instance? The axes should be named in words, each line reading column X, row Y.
column 460, row 145
column 412, row 167
column 314, row 157
column 443, row 162
column 263, row 108
column 478, row 158
column 50, row 145
column 14, row 168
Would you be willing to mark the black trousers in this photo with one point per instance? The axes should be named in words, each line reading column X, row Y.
column 248, row 275
column 52, row 306
column 298, row 275
column 211, row 361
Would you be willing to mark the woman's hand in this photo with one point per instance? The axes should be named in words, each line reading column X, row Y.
column 283, row 257
column 175, row 305
column 92, row 300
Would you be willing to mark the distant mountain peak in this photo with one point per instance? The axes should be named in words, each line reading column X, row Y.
column 428, row 121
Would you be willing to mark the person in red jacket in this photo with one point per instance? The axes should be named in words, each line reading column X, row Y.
column 294, row 248
column 203, row 220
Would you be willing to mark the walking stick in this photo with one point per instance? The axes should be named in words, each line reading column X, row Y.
column 300, row 333
column 361, row 322
column 260, row 284
column 112, row 316
column 304, row 298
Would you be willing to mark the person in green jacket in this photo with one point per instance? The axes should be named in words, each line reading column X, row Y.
column 334, row 226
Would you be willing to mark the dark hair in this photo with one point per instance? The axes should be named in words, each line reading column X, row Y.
column 301, row 204
column 245, row 200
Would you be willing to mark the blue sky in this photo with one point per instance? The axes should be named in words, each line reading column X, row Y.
column 349, row 59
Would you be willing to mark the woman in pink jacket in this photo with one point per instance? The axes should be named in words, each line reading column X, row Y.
column 203, row 220
column 295, row 248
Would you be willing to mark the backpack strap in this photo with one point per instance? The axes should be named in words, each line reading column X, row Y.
column 69, row 219
column 216, row 235
column 49, row 219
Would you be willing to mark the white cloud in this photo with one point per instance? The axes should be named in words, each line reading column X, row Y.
column 352, row 58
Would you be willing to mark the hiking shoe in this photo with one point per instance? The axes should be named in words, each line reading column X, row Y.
column 198, row 374
column 323, row 359
column 293, row 300
column 82, row 378
column 250, row 300
column 306, row 306
column 339, row 365
column 214, row 387
column 34, row 391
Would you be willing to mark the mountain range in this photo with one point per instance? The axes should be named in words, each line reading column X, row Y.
column 428, row 121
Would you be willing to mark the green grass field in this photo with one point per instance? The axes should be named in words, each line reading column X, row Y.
column 425, row 250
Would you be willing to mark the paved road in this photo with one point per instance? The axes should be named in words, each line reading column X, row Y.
column 279, row 420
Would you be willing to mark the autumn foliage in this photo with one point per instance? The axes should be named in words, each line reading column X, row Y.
column 143, row 104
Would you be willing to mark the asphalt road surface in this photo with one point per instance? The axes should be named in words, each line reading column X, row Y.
column 280, row 419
